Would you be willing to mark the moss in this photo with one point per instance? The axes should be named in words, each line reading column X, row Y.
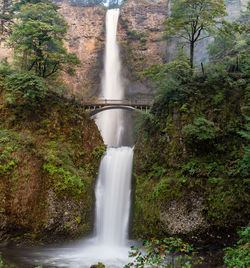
column 53, row 149
column 192, row 144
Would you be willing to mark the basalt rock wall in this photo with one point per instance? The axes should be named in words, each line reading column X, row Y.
column 139, row 34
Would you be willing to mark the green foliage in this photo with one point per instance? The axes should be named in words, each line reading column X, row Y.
column 13, row 146
column 7, row 152
column 25, row 88
column 99, row 151
column 193, row 20
column 201, row 130
column 198, row 136
column 5, row 17
column 239, row 256
column 163, row 253
column 98, row 265
column 5, row 168
column 177, row 70
column 134, row 35
column 5, row 68
column 224, row 197
column 37, row 151
column 60, row 167
column 245, row 162
column 168, row 80
column 37, row 39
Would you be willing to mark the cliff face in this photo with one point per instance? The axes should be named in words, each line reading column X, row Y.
column 141, row 24
column 141, row 41
column 139, row 35
column 85, row 38
column 49, row 159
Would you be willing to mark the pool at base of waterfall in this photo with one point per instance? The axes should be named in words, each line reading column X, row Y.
column 77, row 255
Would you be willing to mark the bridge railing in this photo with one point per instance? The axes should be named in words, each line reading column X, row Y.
column 119, row 102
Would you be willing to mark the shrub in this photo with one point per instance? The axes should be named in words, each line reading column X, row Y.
column 25, row 88
column 239, row 255
column 163, row 253
column 202, row 129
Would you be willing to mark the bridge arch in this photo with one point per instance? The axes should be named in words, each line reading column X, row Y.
column 98, row 106
column 105, row 108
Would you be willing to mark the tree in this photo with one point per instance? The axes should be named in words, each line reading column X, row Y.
column 37, row 39
column 193, row 20
column 9, row 7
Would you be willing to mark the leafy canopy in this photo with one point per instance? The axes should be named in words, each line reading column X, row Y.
column 37, row 39
column 168, row 80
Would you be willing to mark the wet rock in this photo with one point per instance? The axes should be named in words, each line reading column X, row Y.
column 184, row 216
column 63, row 214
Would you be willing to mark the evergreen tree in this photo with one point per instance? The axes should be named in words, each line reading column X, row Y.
column 37, row 39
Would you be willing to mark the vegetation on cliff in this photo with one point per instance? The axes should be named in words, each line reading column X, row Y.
column 192, row 154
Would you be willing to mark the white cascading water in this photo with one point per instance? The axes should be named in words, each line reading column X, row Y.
column 113, row 187
column 110, row 122
column 113, row 196
column 109, row 245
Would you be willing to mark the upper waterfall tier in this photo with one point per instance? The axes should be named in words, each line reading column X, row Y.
column 111, row 123
column 112, row 82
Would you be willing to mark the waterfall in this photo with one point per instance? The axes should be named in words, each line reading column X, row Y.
column 110, row 122
column 113, row 187
column 113, row 196
column 109, row 243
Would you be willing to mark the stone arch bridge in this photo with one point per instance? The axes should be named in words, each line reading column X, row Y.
column 97, row 106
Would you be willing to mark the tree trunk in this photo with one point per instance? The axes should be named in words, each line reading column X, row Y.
column 202, row 68
column 192, row 55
